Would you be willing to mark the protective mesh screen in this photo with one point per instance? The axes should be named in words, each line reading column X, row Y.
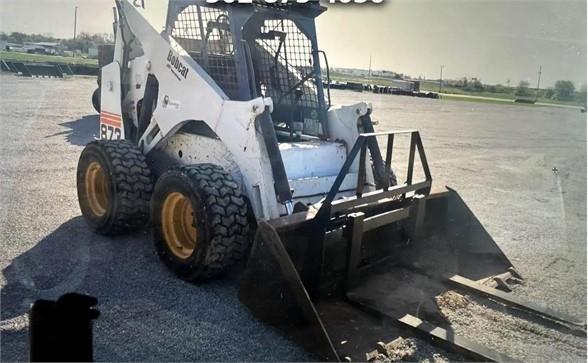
column 286, row 64
column 205, row 34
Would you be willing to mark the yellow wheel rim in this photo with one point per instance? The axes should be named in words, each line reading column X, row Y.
column 96, row 189
column 178, row 225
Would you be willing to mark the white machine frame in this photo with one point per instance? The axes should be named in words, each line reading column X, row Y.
column 187, row 93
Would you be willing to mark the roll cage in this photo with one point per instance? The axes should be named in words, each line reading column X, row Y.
column 260, row 50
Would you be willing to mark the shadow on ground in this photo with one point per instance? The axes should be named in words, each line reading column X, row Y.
column 81, row 131
column 146, row 313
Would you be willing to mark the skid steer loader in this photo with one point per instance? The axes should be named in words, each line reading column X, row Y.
column 220, row 132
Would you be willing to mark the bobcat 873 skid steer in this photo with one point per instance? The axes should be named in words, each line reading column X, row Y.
column 220, row 132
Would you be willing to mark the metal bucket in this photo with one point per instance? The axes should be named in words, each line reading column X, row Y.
column 338, row 298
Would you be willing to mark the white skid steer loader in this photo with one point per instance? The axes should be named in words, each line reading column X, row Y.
column 220, row 132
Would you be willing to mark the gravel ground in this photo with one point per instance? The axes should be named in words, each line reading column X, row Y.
column 500, row 159
column 411, row 350
column 47, row 250
column 517, row 338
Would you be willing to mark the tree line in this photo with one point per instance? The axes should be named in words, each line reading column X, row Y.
column 563, row 90
column 82, row 42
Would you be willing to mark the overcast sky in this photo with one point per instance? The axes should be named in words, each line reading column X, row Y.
column 495, row 40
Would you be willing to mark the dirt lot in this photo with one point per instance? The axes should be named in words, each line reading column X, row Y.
column 521, row 169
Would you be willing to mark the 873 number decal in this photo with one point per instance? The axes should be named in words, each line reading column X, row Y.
column 108, row 132
column 110, row 126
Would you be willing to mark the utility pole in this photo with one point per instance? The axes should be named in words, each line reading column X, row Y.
column 75, row 22
column 370, row 70
column 441, row 79
column 538, row 83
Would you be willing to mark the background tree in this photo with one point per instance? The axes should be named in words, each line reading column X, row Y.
column 20, row 38
column 522, row 89
column 548, row 93
column 581, row 95
column 474, row 85
column 564, row 90
column 82, row 42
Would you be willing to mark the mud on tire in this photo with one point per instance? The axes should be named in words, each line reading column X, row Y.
column 114, row 187
column 219, row 216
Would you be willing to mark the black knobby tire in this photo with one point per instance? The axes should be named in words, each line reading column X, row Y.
column 220, row 216
column 96, row 102
column 128, row 186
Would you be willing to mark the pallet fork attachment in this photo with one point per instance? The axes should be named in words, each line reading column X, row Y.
column 349, row 273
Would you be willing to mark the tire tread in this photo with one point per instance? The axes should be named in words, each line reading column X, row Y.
column 229, row 228
column 133, row 184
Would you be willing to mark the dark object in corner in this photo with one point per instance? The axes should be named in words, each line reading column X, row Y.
column 61, row 331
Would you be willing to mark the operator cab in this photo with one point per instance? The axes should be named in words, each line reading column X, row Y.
column 260, row 50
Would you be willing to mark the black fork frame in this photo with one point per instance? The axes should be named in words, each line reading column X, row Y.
column 330, row 207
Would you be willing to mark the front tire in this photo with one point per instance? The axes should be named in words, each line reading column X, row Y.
column 114, row 187
column 96, row 101
column 200, row 224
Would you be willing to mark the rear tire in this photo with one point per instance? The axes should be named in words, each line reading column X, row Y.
column 114, row 187
column 96, row 99
column 200, row 224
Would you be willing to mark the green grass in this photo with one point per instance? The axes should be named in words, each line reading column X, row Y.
column 509, row 96
column 452, row 93
column 491, row 100
column 39, row 58
column 434, row 87
column 381, row 81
